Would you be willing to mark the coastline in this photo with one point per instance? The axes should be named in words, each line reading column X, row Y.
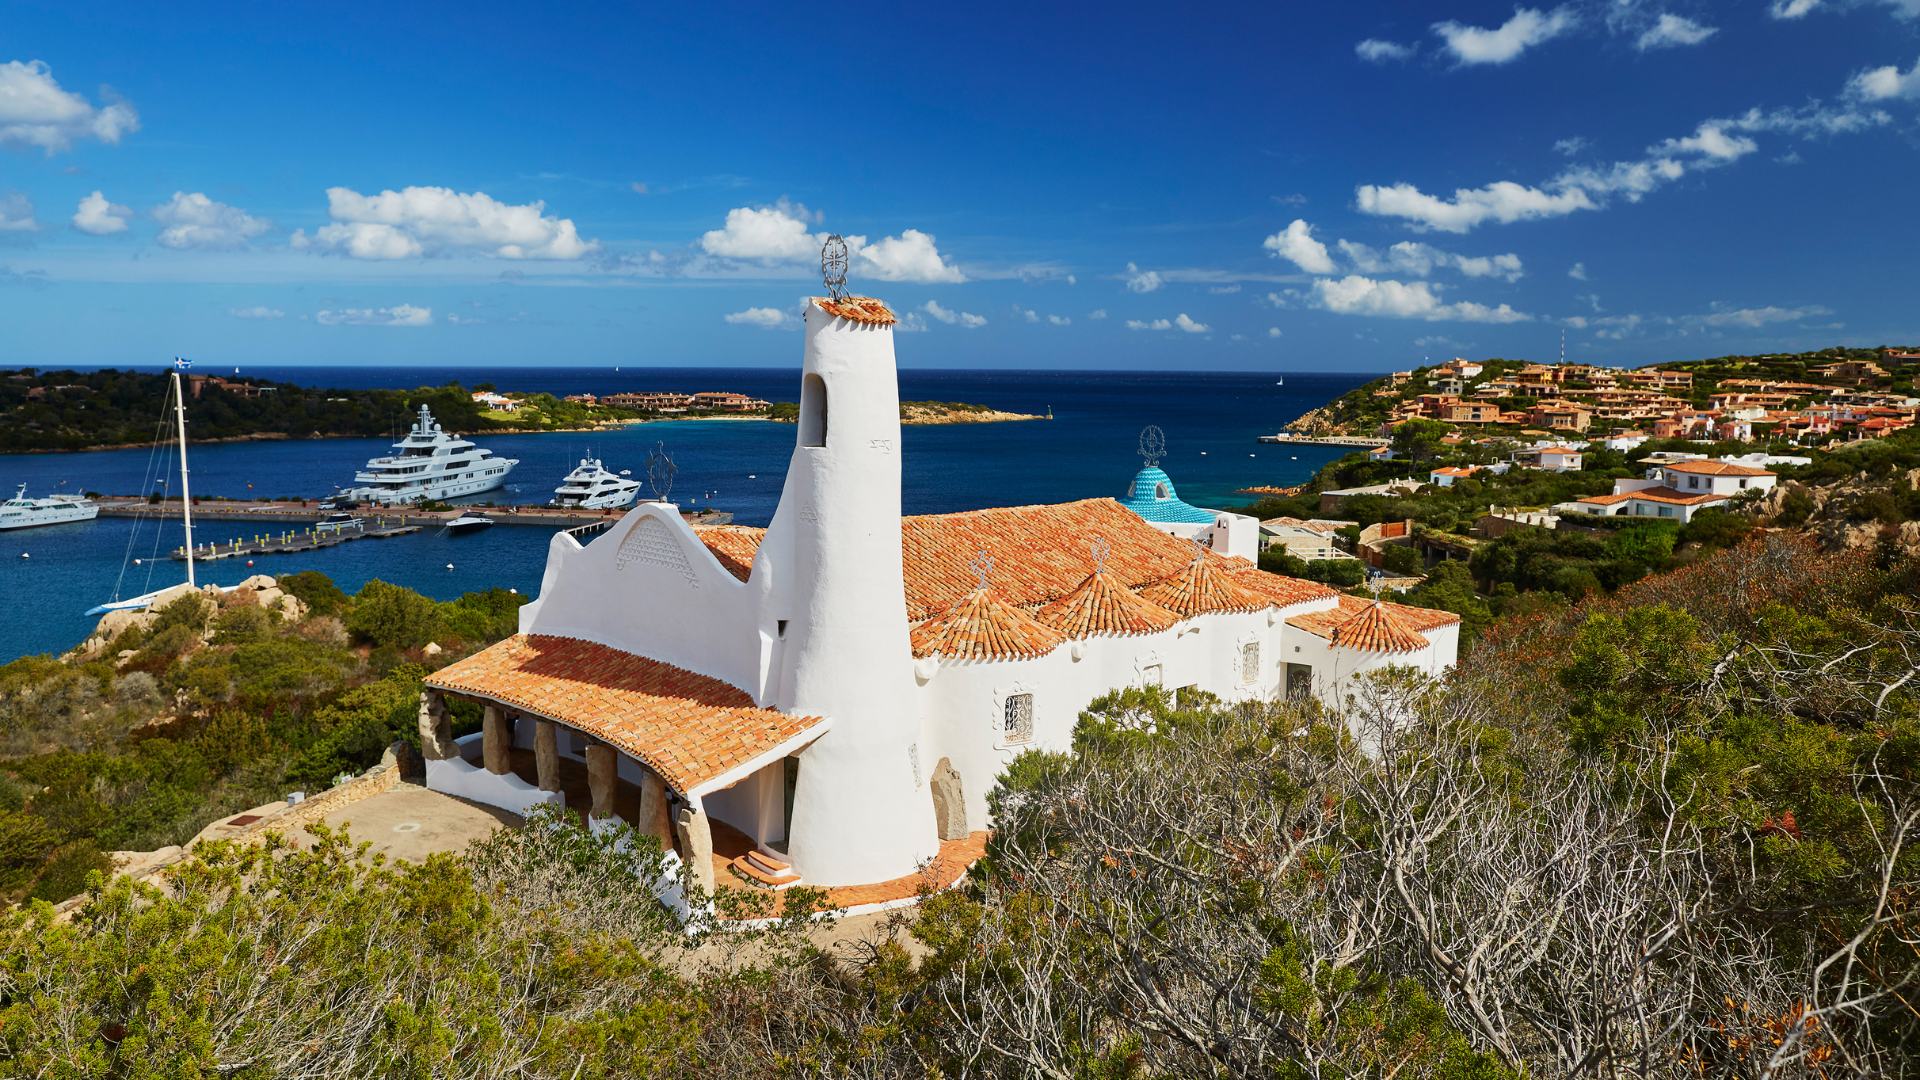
column 281, row 436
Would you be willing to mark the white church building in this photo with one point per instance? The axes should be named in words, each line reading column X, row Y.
column 828, row 700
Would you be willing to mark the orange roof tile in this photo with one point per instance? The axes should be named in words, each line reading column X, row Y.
column 1039, row 553
column 981, row 627
column 1652, row 494
column 1201, row 587
column 1101, row 606
column 688, row 728
column 1358, row 624
column 863, row 309
column 1715, row 468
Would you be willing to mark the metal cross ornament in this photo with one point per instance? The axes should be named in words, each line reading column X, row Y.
column 660, row 471
column 833, row 266
column 983, row 566
column 1100, row 549
column 1199, row 548
column 1153, row 444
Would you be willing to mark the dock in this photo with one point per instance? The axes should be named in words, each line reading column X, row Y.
column 1287, row 437
column 278, row 516
column 290, row 541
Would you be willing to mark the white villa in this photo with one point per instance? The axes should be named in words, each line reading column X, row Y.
column 1675, row 489
column 828, row 700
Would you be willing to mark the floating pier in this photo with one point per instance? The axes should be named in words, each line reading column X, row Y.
column 289, row 541
column 279, row 516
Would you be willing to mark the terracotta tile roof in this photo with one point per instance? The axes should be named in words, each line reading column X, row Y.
column 1201, row 587
column 981, row 627
column 1715, row 468
column 1040, row 554
column 864, row 309
column 733, row 545
column 1102, row 606
column 688, row 728
column 1652, row 494
column 1373, row 627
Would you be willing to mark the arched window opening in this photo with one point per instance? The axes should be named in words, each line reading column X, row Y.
column 813, row 411
column 1159, row 491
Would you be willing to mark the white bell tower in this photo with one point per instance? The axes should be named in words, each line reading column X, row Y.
column 862, row 812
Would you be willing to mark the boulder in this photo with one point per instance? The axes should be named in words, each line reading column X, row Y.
column 431, row 648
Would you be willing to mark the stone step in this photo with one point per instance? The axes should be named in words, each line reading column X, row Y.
column 746, row 870
column 770, row 863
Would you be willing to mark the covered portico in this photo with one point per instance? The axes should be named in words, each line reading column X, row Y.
column 619, row 737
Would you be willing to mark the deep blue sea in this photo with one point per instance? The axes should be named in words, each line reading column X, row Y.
column 1211, row 420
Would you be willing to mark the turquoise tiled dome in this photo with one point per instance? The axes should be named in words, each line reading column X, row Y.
column 1152, row 497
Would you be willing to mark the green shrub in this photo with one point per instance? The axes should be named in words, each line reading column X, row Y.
column 316, row 590
column 389, row 616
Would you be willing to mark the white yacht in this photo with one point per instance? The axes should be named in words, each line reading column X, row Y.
column 429, row 464
column 592, row 487
column 21, row 512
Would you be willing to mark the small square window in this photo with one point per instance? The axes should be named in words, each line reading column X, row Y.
column 1017, row 725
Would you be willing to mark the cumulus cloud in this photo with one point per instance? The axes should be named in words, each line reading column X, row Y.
column 16, row 213
column 954, row 318
column 783, row 233
column 1671, row 31
column 98, row 216
column 766, row 318
column 1182, row 322
column 1887, row 83
column 1273, row 331
column 1374, row 50
column 1296, row 244
column 1097, row 314
column 1793, row 9
column 1421, row 260
column 425, row 221
column 1753, row 318
column 1578, row 271
column 398, row 315
column 1571, row 146
column 1142, row 281
column 1059, row 320
column 1359, row 295
column 35, row 111
column 1503, row 202
column 258, row 311
column 195, row 221
column 1504, row 43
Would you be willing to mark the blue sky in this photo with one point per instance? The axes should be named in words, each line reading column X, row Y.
column 1312, row 187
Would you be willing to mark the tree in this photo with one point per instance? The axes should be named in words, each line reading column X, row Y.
column 389, row 616
column 1418, row 441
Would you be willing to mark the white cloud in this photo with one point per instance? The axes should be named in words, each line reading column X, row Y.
column 1505, row 43
column 1296, row 244
column 1059, row 320
column 35, row 111
column 398, row 315
column 911, row 256
column 783, row 233
column 1793, row 9
column 195, row 221
column 1358, row 295
column 16, row 213
column 1421, row 260
column 1182, row 322
column 1672, row 31
column 1887, row 83
column 1578, row 271
column 1273, row 331
column 1503, row 202
column 423, row 221
column 1377, row 51
column 258, row 311
column 1710, row 140
column 954, row 318
column 1097, row 314
column 99, row 217
column 1142, row 281
column 1754, row 318
column 911, row 323
column 1571, row 145
column 766, row 318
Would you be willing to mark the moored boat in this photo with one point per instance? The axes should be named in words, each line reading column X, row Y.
column 429, row 463
column 20, row 512
column 590, row 486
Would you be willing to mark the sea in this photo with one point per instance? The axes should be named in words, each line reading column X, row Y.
column 49, row 576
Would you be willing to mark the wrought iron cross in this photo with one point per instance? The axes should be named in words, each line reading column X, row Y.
column 1153, row 444
column 1100, row 549
column 983, row 566
column 833, row 266
column 660, row 471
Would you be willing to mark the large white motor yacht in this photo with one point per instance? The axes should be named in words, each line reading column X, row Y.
column 592, row 487
column 21, row 512
column 429, row 464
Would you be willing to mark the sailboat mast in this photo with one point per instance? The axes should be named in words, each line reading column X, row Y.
column 186, row 497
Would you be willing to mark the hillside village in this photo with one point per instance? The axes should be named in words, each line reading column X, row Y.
column 1595, row 475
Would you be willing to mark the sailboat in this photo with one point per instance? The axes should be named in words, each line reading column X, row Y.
column 146, row 600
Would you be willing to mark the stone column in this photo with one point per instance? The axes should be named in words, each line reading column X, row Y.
column 436, row 731
column 654, row 818
column 546, row 754
column 603, row 772
column 497, row 729
column 696, row 846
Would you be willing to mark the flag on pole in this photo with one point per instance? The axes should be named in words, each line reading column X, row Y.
column 181, row 363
